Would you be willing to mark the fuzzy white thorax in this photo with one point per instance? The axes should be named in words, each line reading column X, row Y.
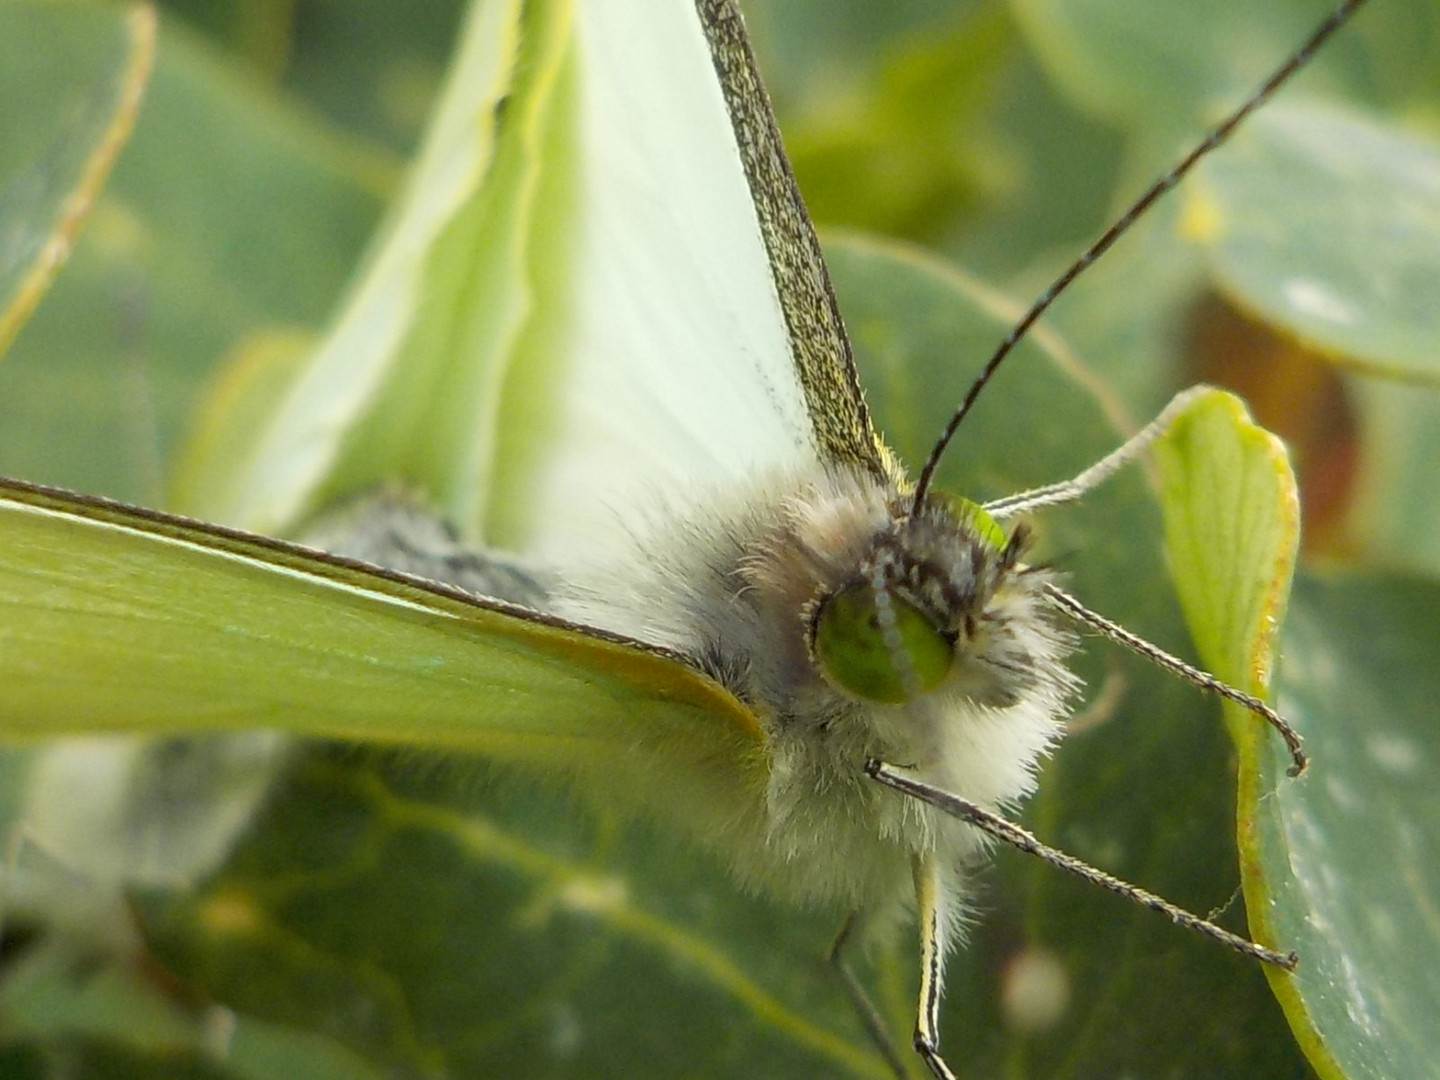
column 733, row 581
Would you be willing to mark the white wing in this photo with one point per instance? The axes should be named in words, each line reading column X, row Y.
column 677, row 372
column 571, row 309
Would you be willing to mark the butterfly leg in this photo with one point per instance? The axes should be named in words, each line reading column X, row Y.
column 864, row 1007
column 1193, row 675
column 1015, row 836
column 930, row 902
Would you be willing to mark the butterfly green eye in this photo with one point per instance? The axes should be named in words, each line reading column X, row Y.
column 879, row 647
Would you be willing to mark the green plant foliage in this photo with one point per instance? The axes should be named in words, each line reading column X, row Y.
column 80, row 74
column 1376, row 255
column 1359, row 897
column 231, row 213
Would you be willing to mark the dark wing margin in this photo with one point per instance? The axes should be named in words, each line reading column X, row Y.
column 818, row 342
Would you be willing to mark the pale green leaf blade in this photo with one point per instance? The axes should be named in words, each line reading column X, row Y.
column 1352, row 847
column 71, row 79
column 1288, row 240
column 1232, row 530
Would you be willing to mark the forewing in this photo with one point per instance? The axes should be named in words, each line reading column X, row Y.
column 705, row 346
column 572, row 310
column 122, row 620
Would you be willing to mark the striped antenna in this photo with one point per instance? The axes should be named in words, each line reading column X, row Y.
column 1217, row 135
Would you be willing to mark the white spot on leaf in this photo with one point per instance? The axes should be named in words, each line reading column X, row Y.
column 1316, row 300
column 1394, row 753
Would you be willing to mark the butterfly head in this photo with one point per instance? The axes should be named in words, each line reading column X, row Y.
column 918, row 605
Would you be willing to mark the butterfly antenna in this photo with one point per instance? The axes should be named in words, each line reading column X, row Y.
column 1121, row 225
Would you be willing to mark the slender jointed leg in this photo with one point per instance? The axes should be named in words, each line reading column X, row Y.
column 930, row 903
column 1014, row 835
column 864, row 1007
column 1193, row 675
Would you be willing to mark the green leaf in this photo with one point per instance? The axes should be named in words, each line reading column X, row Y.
column 1352, row 846
column 230, row 212
column 79, row 72
column 1232, row 528
column 1360, row 288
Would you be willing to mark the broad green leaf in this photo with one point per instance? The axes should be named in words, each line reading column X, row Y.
column 1396, row 518
column 71, row 78
column 1356, row 838
column 1357, row 289
column 230, row 212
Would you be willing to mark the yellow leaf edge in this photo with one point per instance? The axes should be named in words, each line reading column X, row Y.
column 141, row 24
column 1268, row 459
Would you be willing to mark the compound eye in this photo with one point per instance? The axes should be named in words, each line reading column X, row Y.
column 879, row 647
